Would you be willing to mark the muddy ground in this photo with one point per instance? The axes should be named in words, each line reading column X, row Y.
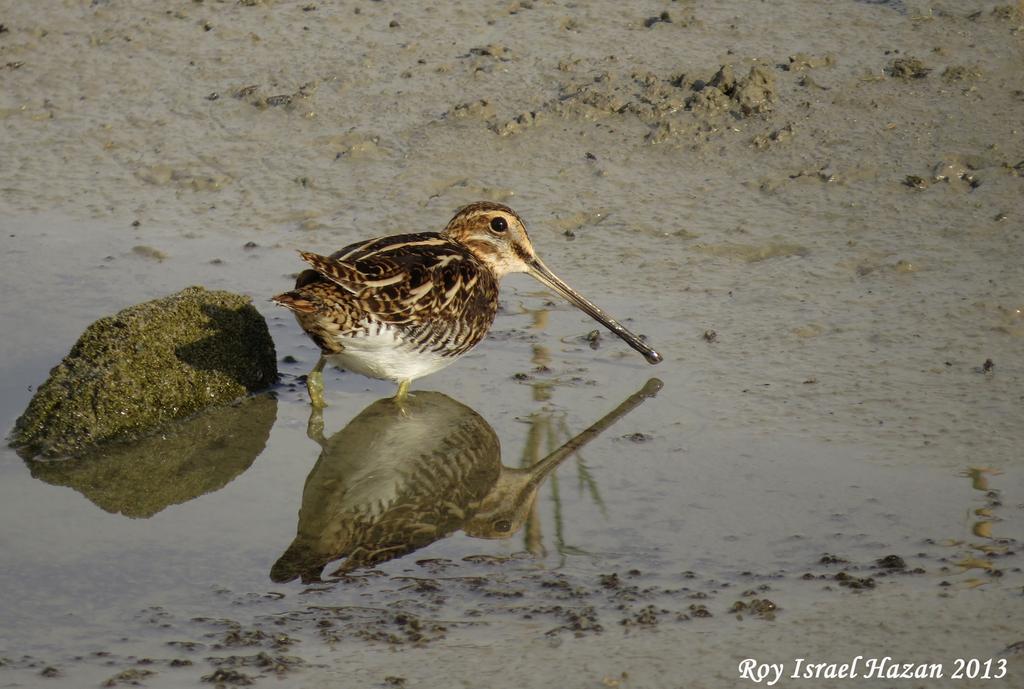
column 813, row 210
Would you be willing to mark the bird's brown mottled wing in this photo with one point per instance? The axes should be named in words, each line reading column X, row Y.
column 382, row 262
column 422, row 281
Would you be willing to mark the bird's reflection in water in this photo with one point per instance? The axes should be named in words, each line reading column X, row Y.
column 397, row 479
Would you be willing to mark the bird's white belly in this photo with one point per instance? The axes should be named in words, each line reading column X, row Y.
column 385, row 356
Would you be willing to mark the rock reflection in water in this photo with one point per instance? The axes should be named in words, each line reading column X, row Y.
column 395, row 480
column 188, row 459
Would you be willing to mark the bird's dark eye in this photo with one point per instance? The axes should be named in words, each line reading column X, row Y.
column 499, row 224
column 502, row 525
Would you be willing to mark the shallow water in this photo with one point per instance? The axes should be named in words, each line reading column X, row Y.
column 839, row 407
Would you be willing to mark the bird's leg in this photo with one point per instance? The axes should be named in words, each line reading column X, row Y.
column 401, row 397
column 315, row 384
column 403, row 391
column 315, row 426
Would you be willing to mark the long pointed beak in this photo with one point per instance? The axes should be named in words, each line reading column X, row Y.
column 537, row 269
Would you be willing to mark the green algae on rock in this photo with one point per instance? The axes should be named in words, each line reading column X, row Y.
column 187, row 459
column 131, row 373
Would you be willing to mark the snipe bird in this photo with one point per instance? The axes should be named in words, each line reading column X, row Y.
column 401, row 307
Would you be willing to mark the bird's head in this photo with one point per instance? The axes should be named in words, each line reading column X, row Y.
column 496, row 235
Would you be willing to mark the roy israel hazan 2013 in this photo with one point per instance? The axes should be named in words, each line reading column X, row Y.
column 872, row 668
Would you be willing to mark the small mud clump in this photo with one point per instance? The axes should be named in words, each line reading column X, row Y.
column 637, row 437
column 251, row 94
column 915, row 182
column 778, row 136
column 131, row 677
column 799, row 62
column 579, row 621
column 955, row 73
column 699, row 610
column 856, row 583
column 755, row 93
column 1008, row 13
column 222, row 678
column 758, row 607
column 907, row 68
column 645, row 617
column 664, row 17
column 891, row 562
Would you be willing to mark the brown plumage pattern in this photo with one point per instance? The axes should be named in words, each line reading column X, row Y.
column 431, row 288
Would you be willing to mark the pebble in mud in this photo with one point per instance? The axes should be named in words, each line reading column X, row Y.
column 907, row 68
column 251, row 94
column 915, row 182
column 663, row 18
column 149, row 252
column 852, row 582
column 477, row 109
column 758, row 607
column 1008, row 13
column 802, row 61
column 221, row 677
column 891, row 562
column 646, row 617
column 960, row 73
column 954, row 168
column 778, row 136
column 700, row 610
column 130, row 677
column 637, row 437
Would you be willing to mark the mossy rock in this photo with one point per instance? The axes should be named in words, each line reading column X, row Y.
column 187, row 459
column 132, row 373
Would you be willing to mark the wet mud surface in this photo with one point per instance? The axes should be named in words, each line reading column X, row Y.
column 812, row 210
